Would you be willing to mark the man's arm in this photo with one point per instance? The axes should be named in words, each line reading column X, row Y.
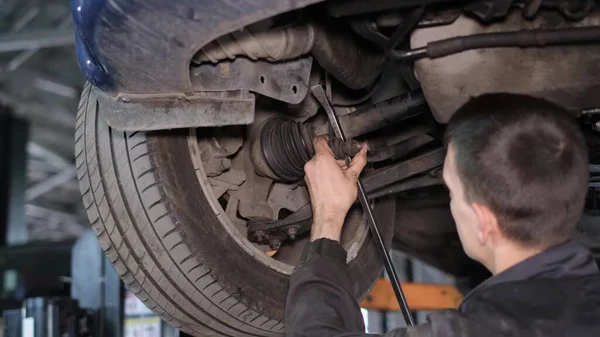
column 320, row 300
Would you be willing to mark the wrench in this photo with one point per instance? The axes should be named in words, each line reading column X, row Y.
column 320, row 95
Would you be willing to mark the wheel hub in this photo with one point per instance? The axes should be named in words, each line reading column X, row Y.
column 243, row 195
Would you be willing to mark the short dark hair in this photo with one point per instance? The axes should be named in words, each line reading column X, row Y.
column 527, row 160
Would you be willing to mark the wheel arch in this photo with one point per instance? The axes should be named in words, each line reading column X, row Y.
column 145, row 47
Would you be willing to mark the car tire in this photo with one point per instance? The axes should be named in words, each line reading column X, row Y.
column 165, row 239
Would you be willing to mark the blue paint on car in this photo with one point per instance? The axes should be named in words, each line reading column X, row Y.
column 86, row 14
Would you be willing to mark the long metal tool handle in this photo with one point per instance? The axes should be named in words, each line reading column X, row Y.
column 387, row 260
column 320, row 95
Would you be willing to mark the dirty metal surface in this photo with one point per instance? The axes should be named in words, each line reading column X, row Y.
column 218, row 148
column 563, row 75
column 276, row 231
column 143, row 113
column 427, row 180
column 387, row 175
column 379, row 115
column 285, row 81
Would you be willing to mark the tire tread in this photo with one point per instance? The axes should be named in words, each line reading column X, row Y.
column 122, row 194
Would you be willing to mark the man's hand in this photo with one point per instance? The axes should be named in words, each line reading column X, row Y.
column 332, row 186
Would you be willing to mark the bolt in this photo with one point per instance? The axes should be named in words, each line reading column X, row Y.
column 125, row 99
column 596, row 126
column 225, row 163
column 275, row 243
column 259, row 235
column 291, row 232
column 217, row 166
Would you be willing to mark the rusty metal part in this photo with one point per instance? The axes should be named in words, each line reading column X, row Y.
column 379, row 115
column 563, row 75
column 270, row 44
column 146, row 113
column 285, row 81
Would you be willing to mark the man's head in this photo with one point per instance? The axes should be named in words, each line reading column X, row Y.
column 517, row 171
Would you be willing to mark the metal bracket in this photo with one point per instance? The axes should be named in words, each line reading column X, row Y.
column 145, row 113
column 285, row 81
column 275, row 231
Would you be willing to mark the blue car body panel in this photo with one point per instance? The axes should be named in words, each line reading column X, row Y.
column 146, row 46
column 85, row 15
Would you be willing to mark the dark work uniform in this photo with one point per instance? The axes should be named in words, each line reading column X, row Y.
column 555, row 293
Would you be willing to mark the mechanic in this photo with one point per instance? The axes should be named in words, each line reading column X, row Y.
column 517, row 172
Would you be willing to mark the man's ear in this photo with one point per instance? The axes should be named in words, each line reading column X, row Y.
column 488, row 222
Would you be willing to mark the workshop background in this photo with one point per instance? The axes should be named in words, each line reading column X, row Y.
column 52, row 270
